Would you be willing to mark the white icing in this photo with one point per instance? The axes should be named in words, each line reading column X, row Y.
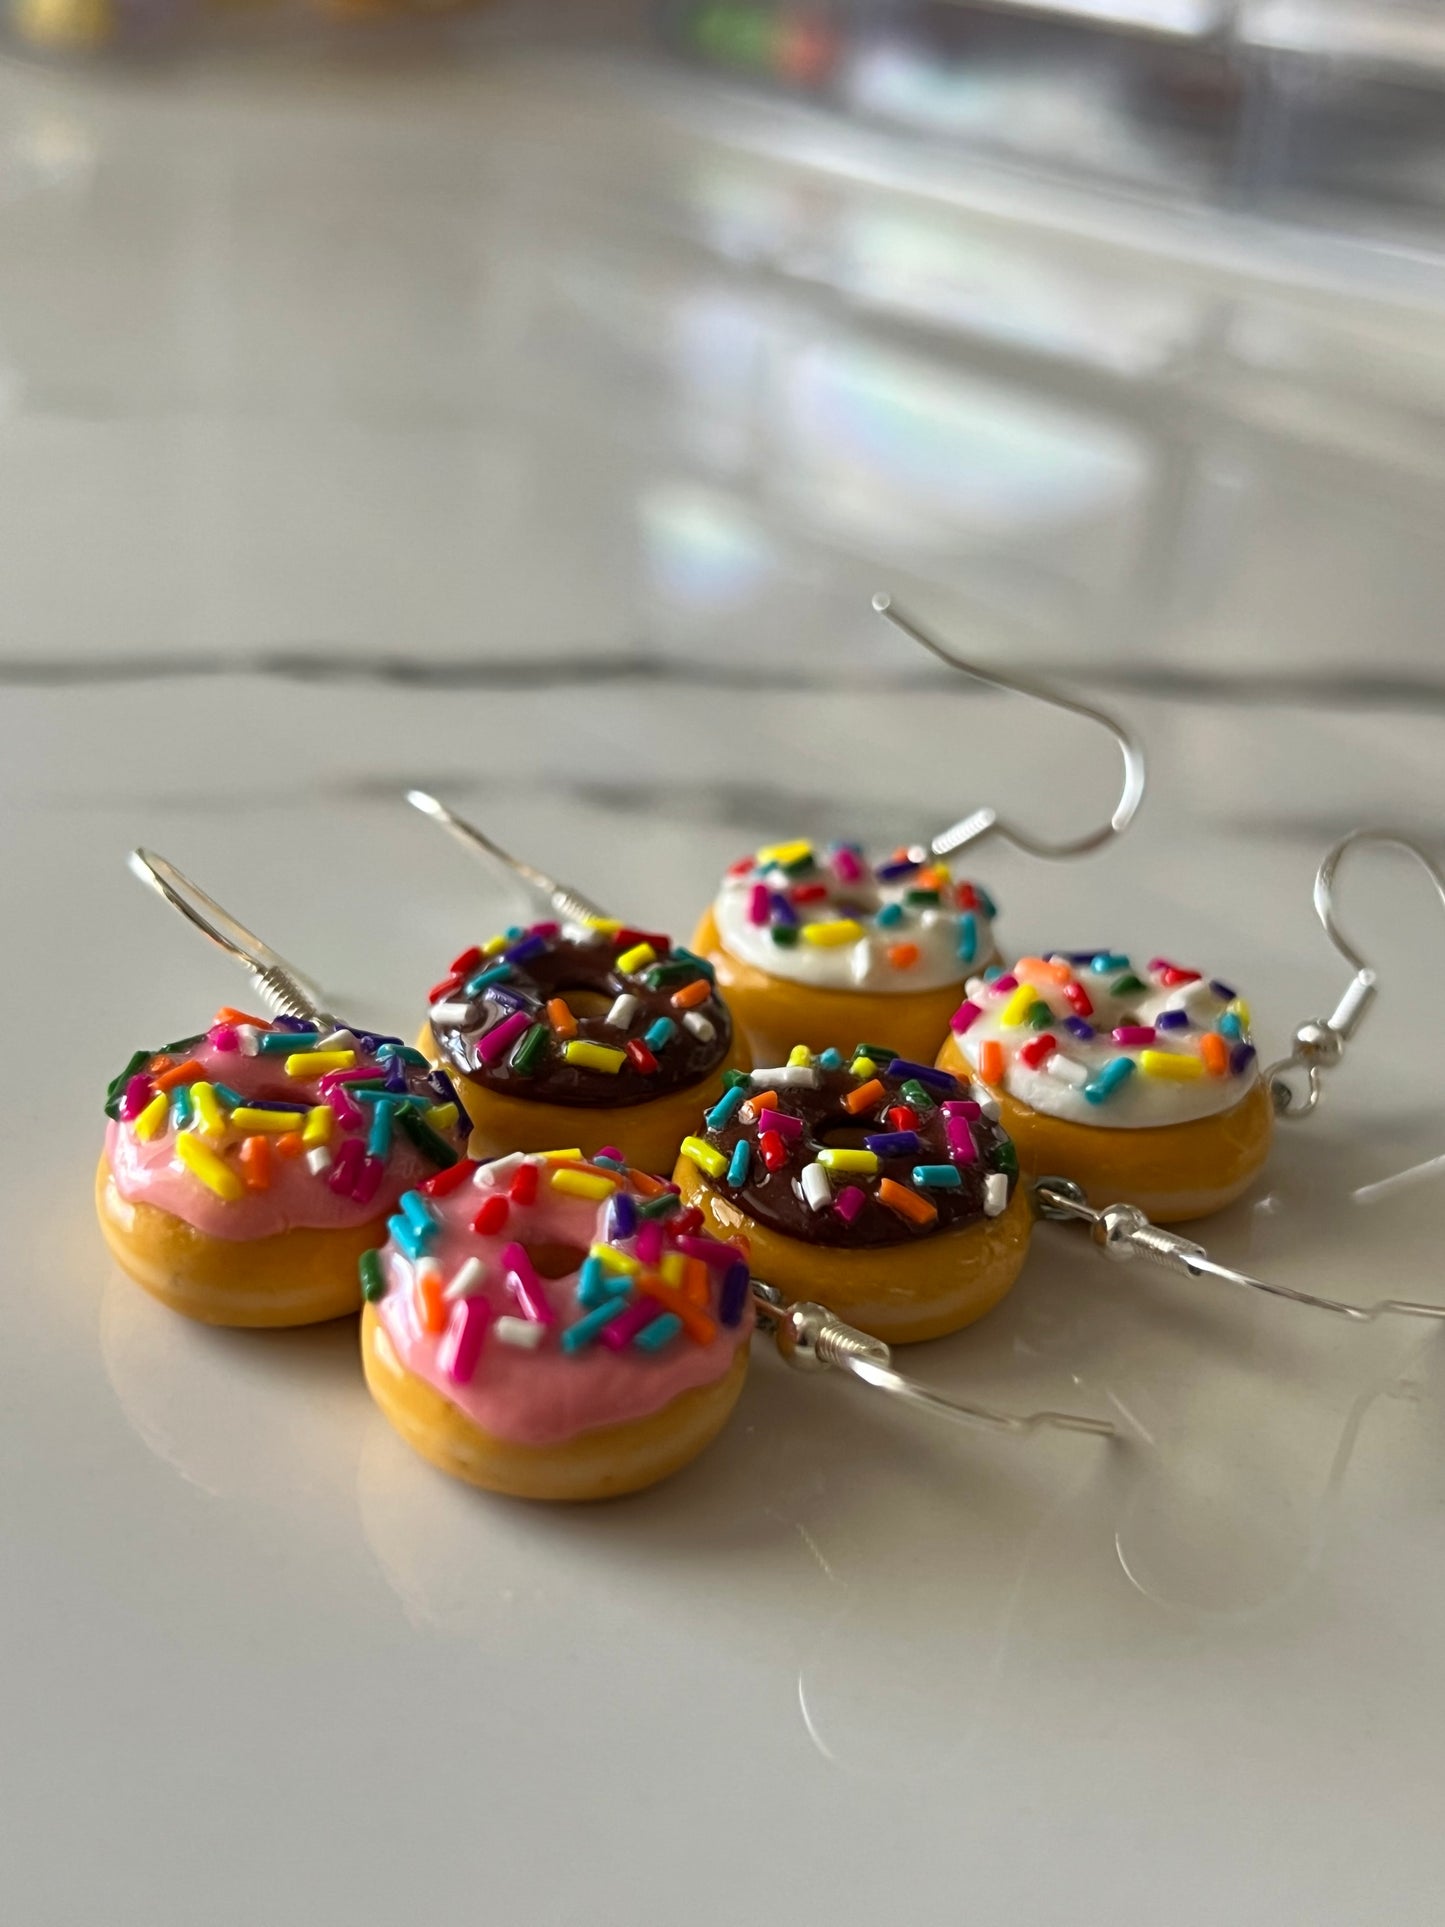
column 936, row 930
column 1056, row 1087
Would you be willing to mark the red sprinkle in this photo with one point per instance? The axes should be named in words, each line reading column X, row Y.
column 628, row 938
column 492, row 1216
column 523, row 1188
column 808, row 892
column 640, row 1056
column 447, row 1181
column 443, row 989
column 466, row 963
column 1033, row 1054
column 967, row 897
column 685, row 1222
column 902, row 1117
column 1079, row 1000
column 775, row 1152
column 1171, row 975
column 741, row 867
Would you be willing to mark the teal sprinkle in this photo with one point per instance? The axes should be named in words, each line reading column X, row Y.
column 514, row 931
column 1101, row 1088
column 993, row 973
column 404, row 1052
column 419, row 1211
column 830, row 1060
column 691, row 956
column 229, row 1097
column 660, row 1033
column 378, row 1140
column 182, row 1107
column 967, row 937
column 280, row 1043
column 586, row 1329
column 1230, row 1026
column 724, row 1108
column 660, row 1332
column 889, row 915
column 740, row 1163
column 594, row 1284
column 495, row 974
column 1107, row 961
column 608, row 1164
column 986, row 903
column 938, row 1177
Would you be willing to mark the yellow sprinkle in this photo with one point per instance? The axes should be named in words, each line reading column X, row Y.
column 615, row 1261
column 704, row 1156
column 673, row 1268
column 596, row 1057
column 1241, row 1011
column 836, row 931
column 800, row 1056
column 210, row 1119
column 319, row 1121
column 637, row 957
column 441, row 1117
column 609, row 926
column 245, row 1119
column 1018, row 1006
column 863, row 1067
column 152, row 1117
column 582, row 1184
column 316, row 1063
column 494, row 946
column 786, row 852
column 863, row 1161
column 1165, row 1063
column 201, row 1161
column 556, row 1157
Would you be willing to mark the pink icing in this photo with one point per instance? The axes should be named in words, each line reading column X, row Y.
column 545, row 1396
column 147, row 1171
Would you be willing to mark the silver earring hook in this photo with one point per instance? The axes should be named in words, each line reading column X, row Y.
column 1123, row 1232
column 811, row 1339
column 282, row 987
column 987, row 822
column 1320, row 1044
column 559, row 897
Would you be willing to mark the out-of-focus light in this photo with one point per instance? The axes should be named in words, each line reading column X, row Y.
column 700, row 549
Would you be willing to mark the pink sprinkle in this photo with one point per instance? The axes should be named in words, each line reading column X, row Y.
column 545, row 930
column 627, row 1324
column 1001, row 986
column 716, row 1256
column 223, row 1037
column 349, row 1114
column 461, row 1344
column 961, row 1147
column 1134, row 1034
column 846, row 866
column 962, row 1107
column 138, row 1094
column 649, row 1242
column 527, row 1288
column 343, row 1173
column 849, row 1203
column 507, row 1032
column 758, row 904
column 610, row 1151
column 367, row 1179
column 1161, row 963
column 965, row 1017
column 776, row 1121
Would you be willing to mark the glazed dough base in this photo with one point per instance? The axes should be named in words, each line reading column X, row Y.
column 646, row 1134
column 300, row 1277
column 1171, row 1171
column 602, row 1463
column 776, row 1013
column 900, row 1293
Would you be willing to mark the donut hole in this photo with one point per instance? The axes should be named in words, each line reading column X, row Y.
column 555, row 1261
column 843, row 1133
column 583, row 1002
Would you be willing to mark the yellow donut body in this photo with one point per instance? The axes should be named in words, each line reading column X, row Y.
column 900, row 1293
column 1171, row 1171
column 298, row 1277
column 776, row 1013
column 603, row 1462
column 647, row 1134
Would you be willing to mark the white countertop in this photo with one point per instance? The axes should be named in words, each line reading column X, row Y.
column 339, row 452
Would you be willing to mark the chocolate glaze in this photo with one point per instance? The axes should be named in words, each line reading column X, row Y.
column 564, row 964
column 775, row 1198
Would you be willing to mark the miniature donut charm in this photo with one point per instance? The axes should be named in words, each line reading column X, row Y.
column 553, row 1328
column 590, row 1036
column 1141, row 1085
column 246, row 1168
column 822, row 947
column 881, row 1188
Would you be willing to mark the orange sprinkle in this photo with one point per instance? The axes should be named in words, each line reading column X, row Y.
column 870, row 1093
column 695, row 1323
column 228, row 1014
column 186, row 1073
column 908, row 1204
column 289, row 1144
column 903, row 956
column 990, row 1062
column 694, row 1282
column 759, row 1102
column 1215, row 1052
column 256, row 1163
column 559, row 1016
column 1037, row 970
column 431, row 1306
column 646, row 1183
column 693, row 994
column 934, row 879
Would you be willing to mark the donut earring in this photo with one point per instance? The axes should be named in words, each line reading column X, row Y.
column 1141, row 1083
column 577, row 1030
column 247, row 1167
column 825, row 948
column 553, row 1327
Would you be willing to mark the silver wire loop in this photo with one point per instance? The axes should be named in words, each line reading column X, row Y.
column 1123, row 1232
column 987, row 822
column 559, row 897
column 1320, row 1044
column 282, row 987
column 811, row 1339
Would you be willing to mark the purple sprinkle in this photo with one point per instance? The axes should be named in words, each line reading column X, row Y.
column 1240, row 1059
column 1001, row 986
column 621, row 1217
column 783, row 911
column 902, row 866
column 1080, row 1028
column 297, row 1025
column 894, row 1144
column 1172, row 1020
column 734, row 1293
column 275, row 1104
column 925, row 1073
column 524, row 951
column 396, row 1074
column 1077, row 957
column 504, row 999
column 1222, row 991
column 444, row 1088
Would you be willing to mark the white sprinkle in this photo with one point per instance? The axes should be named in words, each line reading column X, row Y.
column 318, row 1160
column 338, row 1040
column 401, row 1273
column 986, row 1102
column 816, row 1189
column 797, row 1074
column 1195, row 999
column 975, row 987
column 995, row 1194
column 250, row 1040
column 699, row 1025
column 470, row 1277
column 1067, row 1071
column 453, row 1011
column 487, row 1176
column 519, row 1331
column 623, row 1011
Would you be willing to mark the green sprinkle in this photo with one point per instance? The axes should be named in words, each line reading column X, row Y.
column 1006, row 1158
column 115, row 1089
column 691, row 956
column 181, row 1045
column 528, row 1051
column 880, row 1053
column 365, row 1084
column 921, row 1099
column 404, row 1052
column 426, row 1140
column 1126, row 986
column 1040, row 1017
column 920, row 896
column 672, row 972
column 373, row 1278
column 732, row 1079
column 799, row 866
column 662, row 1206
column 785, row 934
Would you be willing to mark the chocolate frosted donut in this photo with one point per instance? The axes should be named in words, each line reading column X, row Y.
column 883, row 1188
column 566, row 1032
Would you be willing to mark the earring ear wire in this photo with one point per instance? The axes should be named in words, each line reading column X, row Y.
column 559, row 897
